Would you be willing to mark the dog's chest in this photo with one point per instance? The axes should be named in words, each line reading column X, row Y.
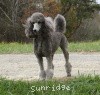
column 43, row 48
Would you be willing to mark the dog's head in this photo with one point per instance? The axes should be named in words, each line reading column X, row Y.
column 34, row 24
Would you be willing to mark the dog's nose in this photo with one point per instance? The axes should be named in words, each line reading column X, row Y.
column 34, row 30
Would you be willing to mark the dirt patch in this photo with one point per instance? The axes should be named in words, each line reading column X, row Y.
column 25, row 66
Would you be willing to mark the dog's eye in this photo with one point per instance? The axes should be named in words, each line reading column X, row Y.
column 39, row 22
column 32, row 23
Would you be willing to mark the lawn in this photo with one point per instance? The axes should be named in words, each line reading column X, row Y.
column 6, row 48
column 28, row 48
column 85, row 47
column 82, row 85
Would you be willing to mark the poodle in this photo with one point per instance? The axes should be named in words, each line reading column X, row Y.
column 48, row 35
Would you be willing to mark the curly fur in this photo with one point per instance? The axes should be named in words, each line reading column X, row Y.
column 47, row 40
column 60, row 23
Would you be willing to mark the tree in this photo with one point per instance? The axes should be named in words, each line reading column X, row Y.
column 10, row 15
column 14, row 12
column 89, row 30
column 51, row 8
column 76, row 11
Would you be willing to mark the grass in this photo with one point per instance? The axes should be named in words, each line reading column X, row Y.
column 15, row 48
column 85, row 46
column 28, row 48
column 82, row 85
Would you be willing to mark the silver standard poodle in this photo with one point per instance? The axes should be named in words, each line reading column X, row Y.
column 48, row 35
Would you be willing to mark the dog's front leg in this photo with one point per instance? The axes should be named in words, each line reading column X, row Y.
column 42, row 74
column 50, row 68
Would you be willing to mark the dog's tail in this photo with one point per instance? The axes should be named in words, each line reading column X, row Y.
column 60, row 23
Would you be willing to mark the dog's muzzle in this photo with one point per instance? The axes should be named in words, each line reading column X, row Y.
column 36, row 27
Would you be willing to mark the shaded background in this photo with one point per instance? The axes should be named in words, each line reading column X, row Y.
column 82, row 17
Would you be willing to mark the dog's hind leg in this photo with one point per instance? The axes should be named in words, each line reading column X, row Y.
column 42, row 74
column 68, row 66
column 50, row 68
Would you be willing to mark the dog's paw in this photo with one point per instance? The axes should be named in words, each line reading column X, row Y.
column 49, row 73
column 69, row 75
column 68, row 68
column 42, row 75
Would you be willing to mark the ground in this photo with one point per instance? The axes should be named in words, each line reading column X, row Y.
column 25, row 66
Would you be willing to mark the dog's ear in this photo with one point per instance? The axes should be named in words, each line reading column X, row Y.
column 25, row 26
